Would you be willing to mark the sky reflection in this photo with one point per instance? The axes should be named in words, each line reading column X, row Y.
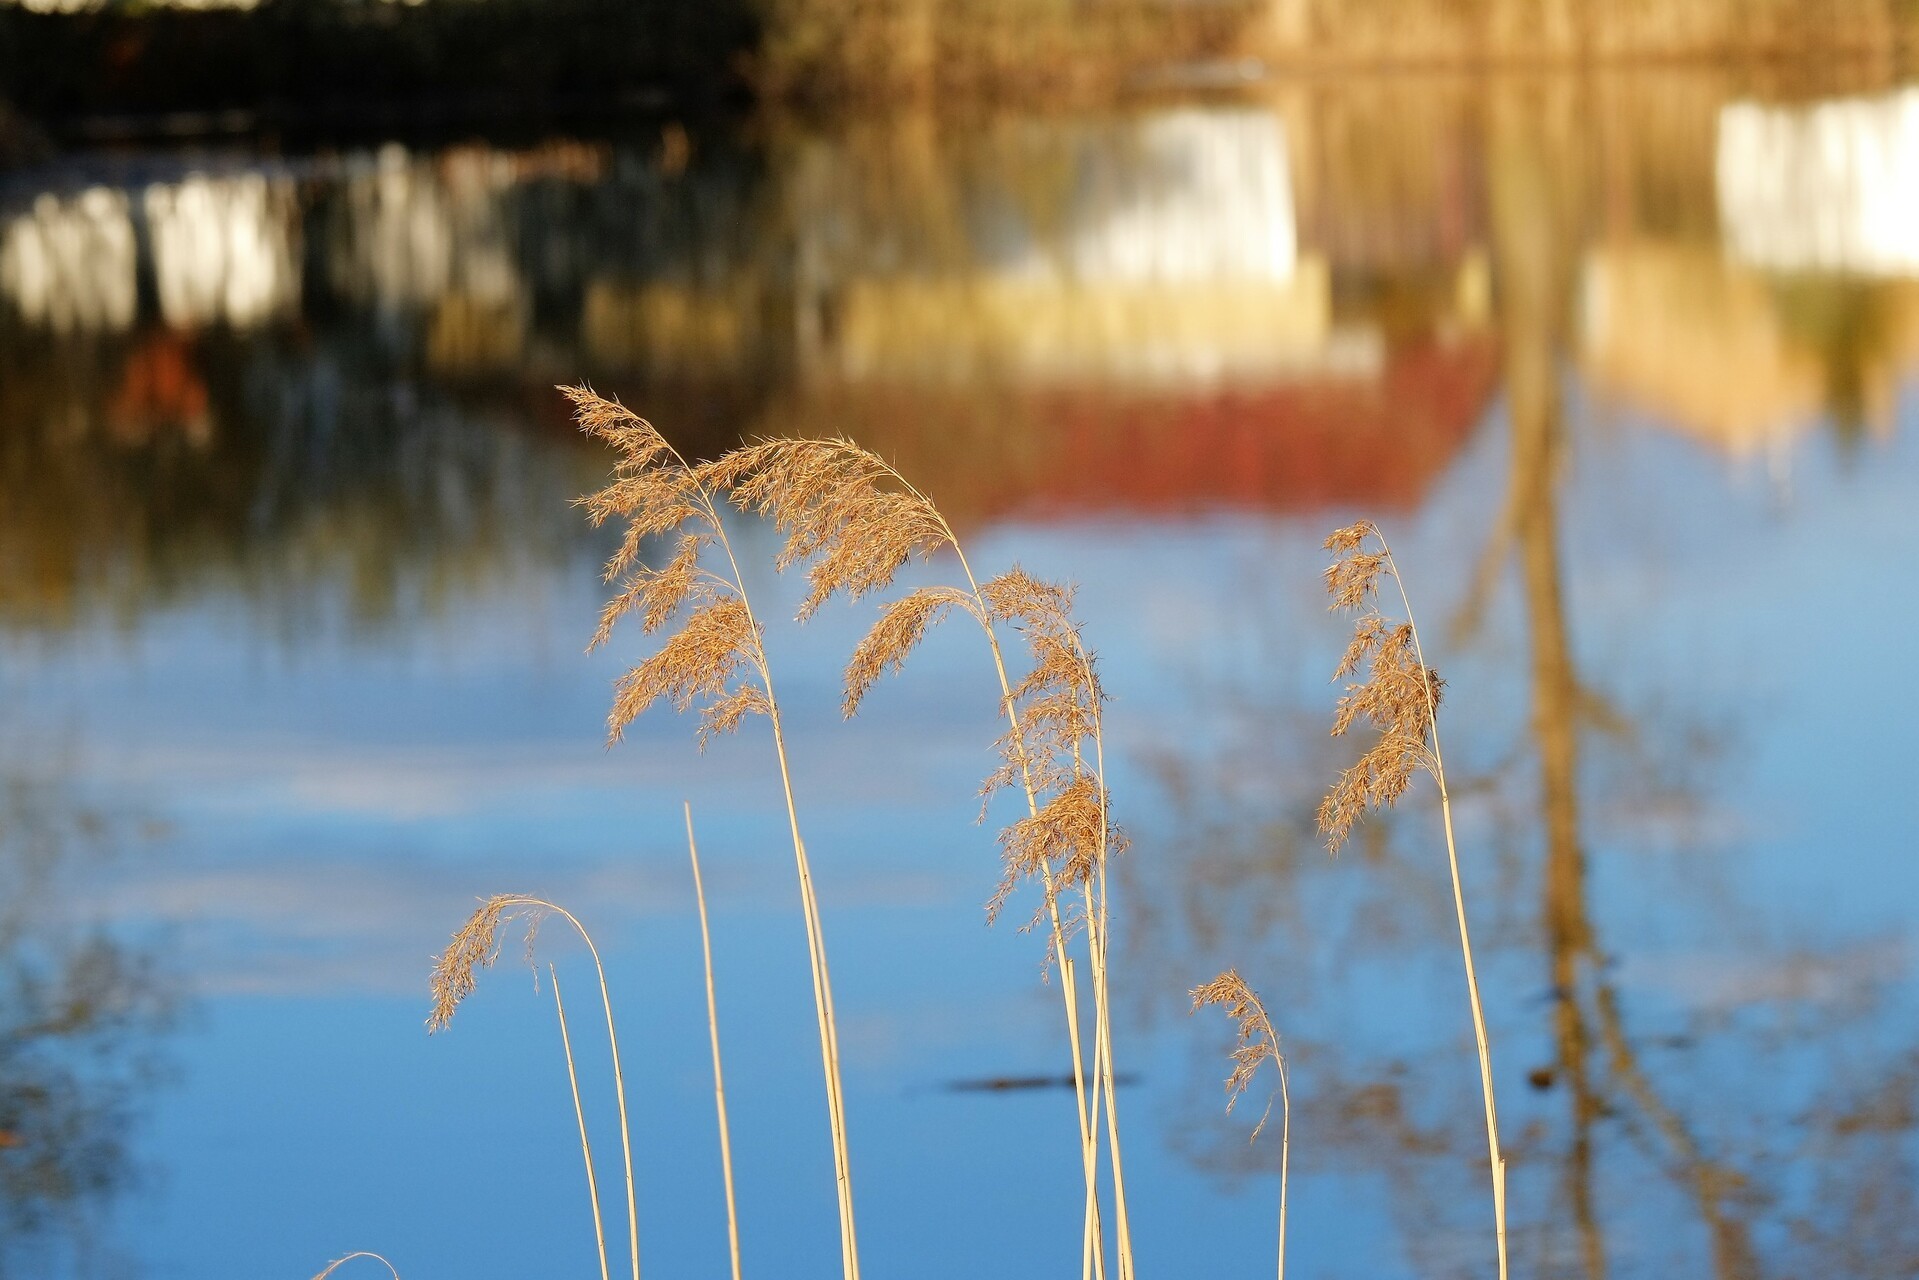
column 288, row 563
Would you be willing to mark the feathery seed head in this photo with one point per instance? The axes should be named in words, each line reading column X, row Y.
column 1053, row 715
column 475, row 946
column 901, row 627
column 1400, row 696
column 1257, row 1039
column 712, row 658
column 844, row 511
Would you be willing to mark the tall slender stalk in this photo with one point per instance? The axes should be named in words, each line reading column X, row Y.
column 713, row 1027
column 1401, row 697
column 579, row 1112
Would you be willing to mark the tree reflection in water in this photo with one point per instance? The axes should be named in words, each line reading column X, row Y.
column 80, row 1011
column 1628, row 1159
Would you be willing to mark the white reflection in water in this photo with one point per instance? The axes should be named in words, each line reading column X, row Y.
column 1173, row 259
column 435, row 236
column 70, row 265
column 224, row 250
column 1830, row 187
column 415, row 230
column 1207, row 195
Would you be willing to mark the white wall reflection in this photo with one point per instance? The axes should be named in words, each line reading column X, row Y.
column 70, row 264
column 425, row 234
column 225, row 250
column 1169, row 256
column 1828, row 187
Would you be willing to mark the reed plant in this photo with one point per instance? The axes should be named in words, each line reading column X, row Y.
column 716, row 661
column 1399, row 697
column 475, row 947
column 854, row 521
column 1258, row 1043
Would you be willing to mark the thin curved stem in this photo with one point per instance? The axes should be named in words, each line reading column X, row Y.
column 579, row 1112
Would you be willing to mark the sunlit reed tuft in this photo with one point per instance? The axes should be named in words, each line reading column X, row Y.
column 1258, row 1043
column 717, row 659
column 1400, row 698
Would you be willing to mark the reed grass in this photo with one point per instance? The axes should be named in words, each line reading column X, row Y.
column 1399, row 697
column 476, row 946
column 1258, row 1042
column 854, row 521
column 716, row 660
column 713, row 1028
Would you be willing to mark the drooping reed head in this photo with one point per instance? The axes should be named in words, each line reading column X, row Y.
column 1399, row 696
column 711, row 660
column 476, row 946
column 1257, row 1039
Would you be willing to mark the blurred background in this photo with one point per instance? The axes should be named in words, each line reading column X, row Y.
column 1607, row 312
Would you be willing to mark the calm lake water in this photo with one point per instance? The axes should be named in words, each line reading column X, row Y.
column 292, row 605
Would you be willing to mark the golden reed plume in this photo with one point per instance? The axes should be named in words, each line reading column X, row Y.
column 1258, row 1042
column 1399, row 698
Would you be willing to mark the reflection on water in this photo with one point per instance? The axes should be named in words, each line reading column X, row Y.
column 79, row 1013
column 1545, row 326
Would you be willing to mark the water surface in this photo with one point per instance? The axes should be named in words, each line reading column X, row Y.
column 292, row 604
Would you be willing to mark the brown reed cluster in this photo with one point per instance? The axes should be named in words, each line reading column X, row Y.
column 846, row 514
column 1257, row 1040
column 1399, row 696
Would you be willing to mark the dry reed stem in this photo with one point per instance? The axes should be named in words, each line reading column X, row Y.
column 1257, row 1043
column 579, row 1113
column 476, row 946
column 713, row 1028
column 1401, row 699
column 337, row 1263
column 712, row 662
column 856, row 520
